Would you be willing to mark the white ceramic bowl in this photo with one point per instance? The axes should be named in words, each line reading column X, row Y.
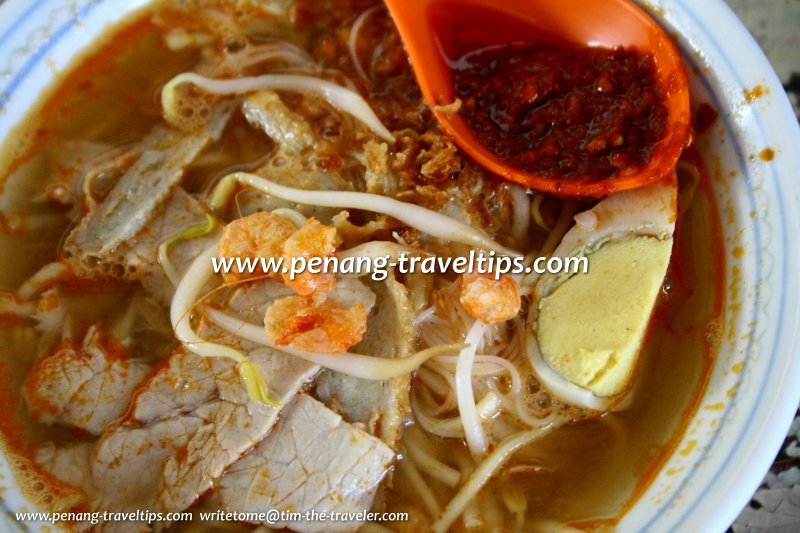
column 755, row 386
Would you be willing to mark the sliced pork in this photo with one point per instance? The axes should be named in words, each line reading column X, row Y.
column 70, row 463
column 312, row 460
column 379, row 406
column 130, row 204
column 87, row 386
column 190, row 422
column 140, row 254
column 295, row 162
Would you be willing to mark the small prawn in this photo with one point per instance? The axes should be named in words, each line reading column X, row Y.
column 315, row 324
column 488, row 299
column 255, row 236
column 313, row 239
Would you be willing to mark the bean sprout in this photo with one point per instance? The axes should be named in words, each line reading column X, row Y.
column 521, row 212
column 484, row 472
column 186, row 294
column 436, row 469
column 473, row 431
column 356, row 365
column 352, row 40
column 339, row 97
column 431, row 222
column 421, row 489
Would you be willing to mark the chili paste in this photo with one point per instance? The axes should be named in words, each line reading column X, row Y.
column 563, row 112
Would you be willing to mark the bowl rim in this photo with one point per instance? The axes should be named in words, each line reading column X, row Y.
column 775, row 125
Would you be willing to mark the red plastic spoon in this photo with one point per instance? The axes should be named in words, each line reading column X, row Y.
column 434, row 31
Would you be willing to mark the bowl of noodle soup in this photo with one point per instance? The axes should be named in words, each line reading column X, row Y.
column 92, row 88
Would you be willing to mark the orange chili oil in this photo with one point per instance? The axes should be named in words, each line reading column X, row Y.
column 563, row 112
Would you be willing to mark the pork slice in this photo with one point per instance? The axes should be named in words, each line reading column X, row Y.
column 380, row 406
column 87, row 387
column 139, row 255
column 295, row 162
column 145, row 185
column 312, row 460
column 137, row 258
column 190, row 421
column 70, row 463
column 249, row 302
